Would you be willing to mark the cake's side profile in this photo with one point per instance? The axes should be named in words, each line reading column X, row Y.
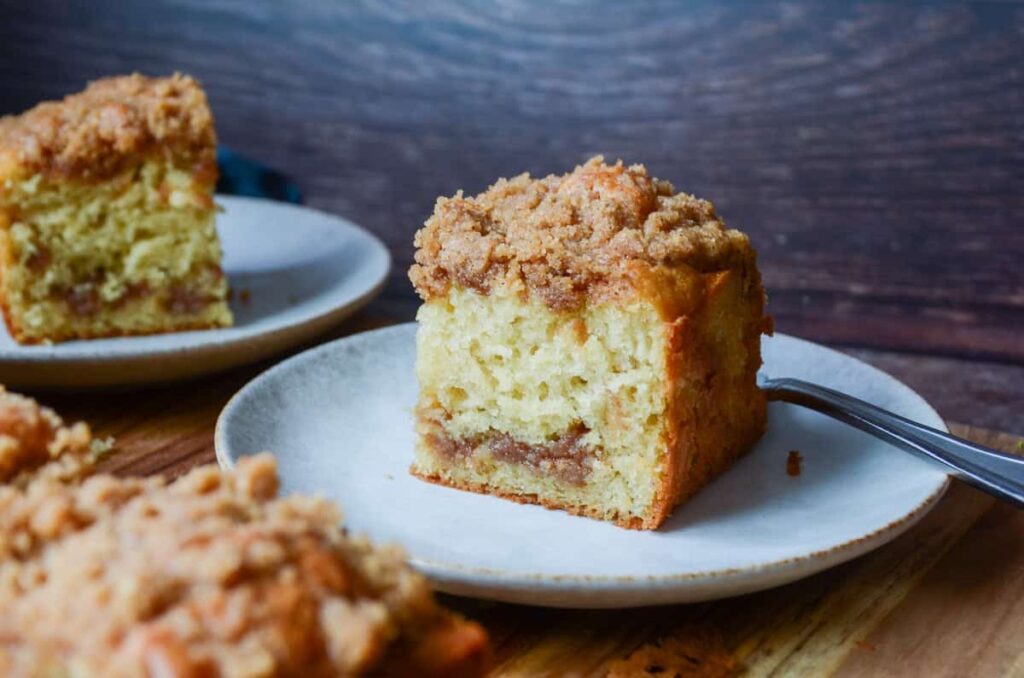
column 107, row 213
column 588, row 342
column 211, row 575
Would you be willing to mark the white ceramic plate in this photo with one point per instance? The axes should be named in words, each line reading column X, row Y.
column 303, row 270
column 338, row 418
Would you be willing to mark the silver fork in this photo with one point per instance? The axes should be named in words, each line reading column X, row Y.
column 1001, row 475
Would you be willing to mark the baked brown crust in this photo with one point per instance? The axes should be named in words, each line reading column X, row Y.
column 93, row 134
column 25, row 339
column 629, row 522
column 706, row 435
column 566, row 238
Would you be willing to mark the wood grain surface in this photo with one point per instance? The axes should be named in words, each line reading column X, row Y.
column 944, row 599
column 873, row 150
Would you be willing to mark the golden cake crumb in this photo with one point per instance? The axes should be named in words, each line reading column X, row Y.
column 562, row 236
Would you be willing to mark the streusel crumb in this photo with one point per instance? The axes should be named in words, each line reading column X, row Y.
column 32, row 436
column 90, row 135
column 562, row 237
column 210, row 575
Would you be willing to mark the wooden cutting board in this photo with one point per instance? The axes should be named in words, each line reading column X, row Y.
column 944, row 599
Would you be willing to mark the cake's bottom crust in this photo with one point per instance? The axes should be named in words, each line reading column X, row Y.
column 630, row 522
column 30, row 340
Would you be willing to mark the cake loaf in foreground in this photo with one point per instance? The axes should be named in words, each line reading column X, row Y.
column 587, row 342
column 107, row 213
column 210, row 575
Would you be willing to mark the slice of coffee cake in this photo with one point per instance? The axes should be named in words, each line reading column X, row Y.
column 588, row 342
column 107, row 213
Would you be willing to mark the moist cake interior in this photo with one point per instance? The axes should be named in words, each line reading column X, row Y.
column 131, row 255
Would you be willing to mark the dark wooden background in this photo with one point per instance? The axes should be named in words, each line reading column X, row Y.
column 873, row 150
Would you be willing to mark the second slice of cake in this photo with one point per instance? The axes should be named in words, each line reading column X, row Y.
column 588, row 342
column 107, row 213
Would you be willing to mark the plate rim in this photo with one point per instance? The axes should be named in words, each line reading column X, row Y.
column 626, row 589
column 218, row 340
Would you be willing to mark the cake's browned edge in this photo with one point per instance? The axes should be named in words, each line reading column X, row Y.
column 14, row 328
column 29, row 340
column 631, row 522
column 708, row 458
column 6, row 262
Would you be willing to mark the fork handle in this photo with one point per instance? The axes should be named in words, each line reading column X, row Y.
column 998, row 474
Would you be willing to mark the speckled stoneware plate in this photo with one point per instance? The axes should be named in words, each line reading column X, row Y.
column 339, row 420
column 294, row 272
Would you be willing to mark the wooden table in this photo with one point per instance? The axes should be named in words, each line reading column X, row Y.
column 873, row 150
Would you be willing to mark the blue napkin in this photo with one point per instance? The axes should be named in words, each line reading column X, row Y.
column 242, row 176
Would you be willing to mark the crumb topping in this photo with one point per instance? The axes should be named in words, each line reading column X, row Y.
column 32, row 436
column 561, row 237
column 211, row 575
column 91, row 134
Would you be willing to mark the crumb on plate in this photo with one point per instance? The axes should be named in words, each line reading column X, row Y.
column 794, row 463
